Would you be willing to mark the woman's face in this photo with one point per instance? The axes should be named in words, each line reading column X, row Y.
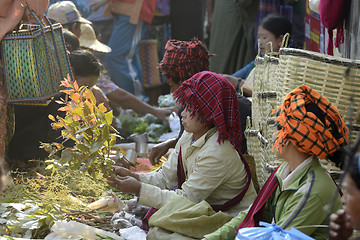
column 193, row 124
column 88, row 81
column 264, row 36
column 351, row 200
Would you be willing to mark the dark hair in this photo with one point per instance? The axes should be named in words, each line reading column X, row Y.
column 354, row 170
column 70, row 25
column 84, row 63
column 71, row 40
column 276, row 24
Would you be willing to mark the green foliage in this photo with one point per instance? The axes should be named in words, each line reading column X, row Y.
column 89, row 126
column 166, row 100
column 141, row 128
column 26, row 220
column 156, row 130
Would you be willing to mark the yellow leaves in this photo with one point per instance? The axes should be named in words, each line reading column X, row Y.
column 88, row 125
column 109, row 117
column 51, row 117
column 76, row 118
column 65, row 108
column 76, row 86
column 102, row 108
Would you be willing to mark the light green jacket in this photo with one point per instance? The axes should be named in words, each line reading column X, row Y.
column 214, row 173
column 300, row 203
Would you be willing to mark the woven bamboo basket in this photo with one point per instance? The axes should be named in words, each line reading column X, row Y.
column 267, row 95
column 337, row 79
column 326, row 74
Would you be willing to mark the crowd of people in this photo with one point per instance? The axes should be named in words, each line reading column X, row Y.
column 208, row 171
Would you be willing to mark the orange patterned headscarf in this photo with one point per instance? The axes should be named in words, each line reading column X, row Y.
column 310, row 122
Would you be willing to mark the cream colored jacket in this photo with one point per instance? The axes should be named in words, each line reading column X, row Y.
column 214, row 172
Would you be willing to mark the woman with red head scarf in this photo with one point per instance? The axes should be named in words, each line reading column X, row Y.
column 11, row 13
column 207, row 163
column 182, row 60
column 309, row 128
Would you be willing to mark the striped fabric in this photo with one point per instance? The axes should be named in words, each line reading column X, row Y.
column 212, row 96
column 182, row 59
column 256, row 212
column 310, row 122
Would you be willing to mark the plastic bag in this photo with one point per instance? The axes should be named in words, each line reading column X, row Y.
column 133, row 233
column 270, row 232
column 72, row 229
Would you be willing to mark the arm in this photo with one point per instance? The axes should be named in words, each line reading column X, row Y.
column 228, row 230
column 100, row 96
column 244, row 72
column 207, row 169
column 128, row 101
column 161, row 149
column 239, row 84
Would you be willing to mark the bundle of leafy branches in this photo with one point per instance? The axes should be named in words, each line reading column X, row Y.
column 74, row 176
column 36, row 199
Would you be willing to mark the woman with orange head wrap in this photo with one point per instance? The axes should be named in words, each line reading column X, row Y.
column 309, row 128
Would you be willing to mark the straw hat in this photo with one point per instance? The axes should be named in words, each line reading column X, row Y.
column 88, row 39
column 65, row 12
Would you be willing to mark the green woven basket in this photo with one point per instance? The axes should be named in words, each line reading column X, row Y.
column 35, row 62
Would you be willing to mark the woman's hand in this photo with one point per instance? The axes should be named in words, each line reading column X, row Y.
column 340, row 228
column 162, row 113
column 125, row 184
column 160, row 150
column 124, row 172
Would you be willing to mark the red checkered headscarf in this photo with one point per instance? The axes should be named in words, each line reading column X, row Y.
column 215, row 99
column 182, row 59
column 310, row 122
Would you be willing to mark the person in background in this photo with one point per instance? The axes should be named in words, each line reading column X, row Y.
column 207, row 163
column 309, row 128
column 232, row 34
column 272, row 29
column 116, row 95
column 66, row 13
column 182, row 60
column 344, row 221
column 80, row 5
column 103, row 26
column 71, row 41
column 11, row 13
column 130, row 19
column 32, row 124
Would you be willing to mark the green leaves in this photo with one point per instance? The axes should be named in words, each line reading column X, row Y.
column 27, row 220
column 89, row 126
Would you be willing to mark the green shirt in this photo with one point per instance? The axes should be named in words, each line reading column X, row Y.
column 295, row 203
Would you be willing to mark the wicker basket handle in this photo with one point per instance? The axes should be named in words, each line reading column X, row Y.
column 268, row 48
column 42, row 26
column 285, row 40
